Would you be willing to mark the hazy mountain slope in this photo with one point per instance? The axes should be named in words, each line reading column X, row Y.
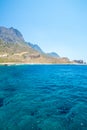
column 13, row 48
column 53, row 54
column 36, row 47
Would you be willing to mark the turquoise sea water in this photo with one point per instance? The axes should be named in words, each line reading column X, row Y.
column 43, row 97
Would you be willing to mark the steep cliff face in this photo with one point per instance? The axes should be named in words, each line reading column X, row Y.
column 11, row 35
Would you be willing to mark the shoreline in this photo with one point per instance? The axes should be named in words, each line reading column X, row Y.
column 14, row 63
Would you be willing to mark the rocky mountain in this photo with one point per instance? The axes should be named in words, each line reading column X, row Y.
column 13, row 48
column 11, row 35
column 36, row 47
column 53, row 54
column 79, row 62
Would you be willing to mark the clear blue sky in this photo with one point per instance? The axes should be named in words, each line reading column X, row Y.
column 55, row 25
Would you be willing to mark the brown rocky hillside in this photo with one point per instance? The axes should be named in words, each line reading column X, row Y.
column 13, row 48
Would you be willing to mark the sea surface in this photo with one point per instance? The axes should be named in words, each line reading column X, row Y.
column 43, row 97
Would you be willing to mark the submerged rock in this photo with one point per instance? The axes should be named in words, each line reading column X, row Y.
column 1, row 102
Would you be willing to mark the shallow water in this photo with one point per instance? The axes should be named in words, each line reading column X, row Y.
column 43, row 97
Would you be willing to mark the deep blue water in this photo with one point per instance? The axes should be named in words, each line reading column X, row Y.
column 43, row 97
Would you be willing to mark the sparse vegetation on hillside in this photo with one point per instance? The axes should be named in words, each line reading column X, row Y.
column 13, row 48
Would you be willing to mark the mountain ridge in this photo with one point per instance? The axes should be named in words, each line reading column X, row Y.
column 11, row 35
column 13, row 48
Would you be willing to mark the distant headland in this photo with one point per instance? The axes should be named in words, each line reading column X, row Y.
column 15, row 50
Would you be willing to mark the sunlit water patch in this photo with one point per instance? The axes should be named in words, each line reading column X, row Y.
column 43, row 97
